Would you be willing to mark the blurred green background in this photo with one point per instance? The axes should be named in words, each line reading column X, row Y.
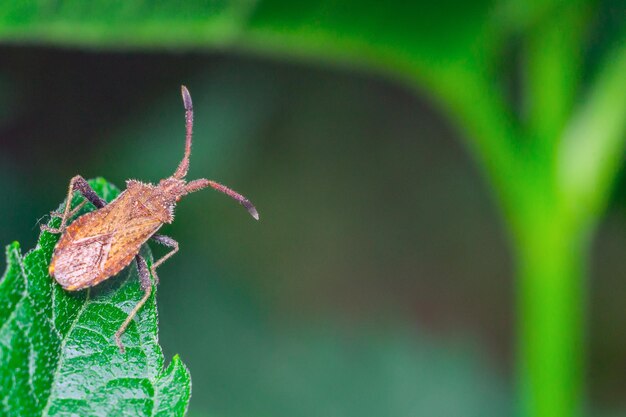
column 380, row 280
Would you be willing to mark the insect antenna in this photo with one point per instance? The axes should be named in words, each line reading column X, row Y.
column 183, row 167
column 196, row 185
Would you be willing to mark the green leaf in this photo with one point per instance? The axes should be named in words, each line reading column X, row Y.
column 57, row 353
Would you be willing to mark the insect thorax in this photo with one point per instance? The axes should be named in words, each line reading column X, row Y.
column 156, row 200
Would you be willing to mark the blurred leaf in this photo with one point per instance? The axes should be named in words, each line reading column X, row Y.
column 442, row 30
column 434, row 41
column 448, row 48
column 57, row 354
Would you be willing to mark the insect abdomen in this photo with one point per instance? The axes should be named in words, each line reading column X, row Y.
column 100, row 244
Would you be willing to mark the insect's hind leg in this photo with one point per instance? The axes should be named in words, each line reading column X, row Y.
column 165, row 241
column 146, row 286
column 81, row 185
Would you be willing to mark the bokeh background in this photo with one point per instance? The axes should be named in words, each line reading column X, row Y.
column 379, row 281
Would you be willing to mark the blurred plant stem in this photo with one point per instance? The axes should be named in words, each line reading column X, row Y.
column 553, row 218
column 551, row 311
column 553, row 176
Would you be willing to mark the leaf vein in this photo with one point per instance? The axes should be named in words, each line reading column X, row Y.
column 60, row 361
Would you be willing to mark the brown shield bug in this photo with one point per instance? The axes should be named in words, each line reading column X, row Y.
column 101, row 243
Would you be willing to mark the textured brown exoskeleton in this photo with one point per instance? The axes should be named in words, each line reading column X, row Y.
column 100, row 244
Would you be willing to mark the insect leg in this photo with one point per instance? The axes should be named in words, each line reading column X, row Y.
column 165, row 241
column 81, row 185
column 71, row 213
column 146, row 286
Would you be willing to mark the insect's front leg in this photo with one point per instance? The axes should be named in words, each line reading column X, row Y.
column 146, row 286
column 165, row 241
column 81, row 185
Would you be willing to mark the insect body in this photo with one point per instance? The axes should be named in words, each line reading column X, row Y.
column 100, row 244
